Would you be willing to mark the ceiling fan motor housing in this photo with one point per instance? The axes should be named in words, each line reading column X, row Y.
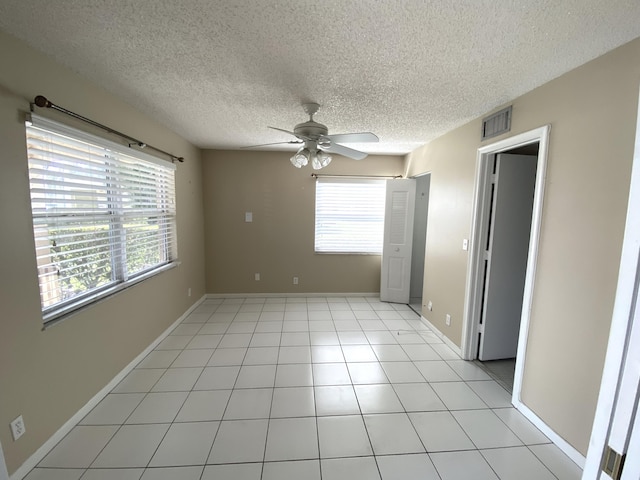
column 311, row 129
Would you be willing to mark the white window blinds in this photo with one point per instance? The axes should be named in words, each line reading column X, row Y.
column 103, row 216
column 349, row 215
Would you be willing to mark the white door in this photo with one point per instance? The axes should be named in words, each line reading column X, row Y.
column 617, row 420
column 506, row 255
column 398, row 240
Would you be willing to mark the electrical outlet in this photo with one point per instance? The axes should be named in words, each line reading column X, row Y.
column 257, row 277
column 430, row 306
column 447, row 320
column 295, row 280
column 17, row 428
column 465, row 244
column 189, row 292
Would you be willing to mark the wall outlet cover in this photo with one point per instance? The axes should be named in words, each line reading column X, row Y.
column 448, row 320
column 17, row 428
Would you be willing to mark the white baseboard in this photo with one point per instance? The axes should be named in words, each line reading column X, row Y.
column 47, row 446
column 289, row 295
column 560, row 442
column 442, row 336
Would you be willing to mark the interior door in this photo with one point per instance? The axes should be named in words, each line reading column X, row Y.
column 506, row 255
column 398, row 241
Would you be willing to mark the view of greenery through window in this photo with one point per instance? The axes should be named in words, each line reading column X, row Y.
column 101, row 216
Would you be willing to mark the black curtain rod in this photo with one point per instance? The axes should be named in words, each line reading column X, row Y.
column 318, row 175
column 43, row 102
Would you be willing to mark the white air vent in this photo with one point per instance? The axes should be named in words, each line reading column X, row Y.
column 496, row 124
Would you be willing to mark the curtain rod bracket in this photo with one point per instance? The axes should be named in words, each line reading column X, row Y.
column 42, row 102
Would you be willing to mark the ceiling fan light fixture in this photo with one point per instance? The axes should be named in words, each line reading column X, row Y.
column 320, row 160
column 300, row 158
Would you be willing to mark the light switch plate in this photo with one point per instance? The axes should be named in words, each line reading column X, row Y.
column 465, row 244
column 248, row 217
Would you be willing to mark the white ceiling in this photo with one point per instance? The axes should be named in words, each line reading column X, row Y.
column 219, row 72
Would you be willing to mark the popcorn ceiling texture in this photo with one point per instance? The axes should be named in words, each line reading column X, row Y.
column 219, row 72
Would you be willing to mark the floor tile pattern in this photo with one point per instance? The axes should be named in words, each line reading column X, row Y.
column 314, row 388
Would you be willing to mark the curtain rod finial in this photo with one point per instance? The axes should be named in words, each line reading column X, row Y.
column 42, row 101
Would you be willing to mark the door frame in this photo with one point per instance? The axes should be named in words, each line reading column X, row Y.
column 416, row 177
column 480, row 214
column 622, row 325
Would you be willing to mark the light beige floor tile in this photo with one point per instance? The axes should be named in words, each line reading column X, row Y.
column 367, row 373
column 343, row 436
column 458, row 396
column 217, row 378
column 292, row 439
column 392, row 433
column 517, row 463
column 132, row 446
column 462, row 466
column 140, row 380
column 485, row 429
column 293, row 470
column 113, row 409
column 555, row 460
column 523, row 428
column 241, row 471
column 294, row 375
column 185, row 444
column 204, row 406
column 177, row 380
column 440, row 432
column 418, row 397
column 378, row 399
column 349, row 468
column 79, row 448
column 239, row 441
column 336, row 400
column 407, row 467
column 173, row 473
column 249, row 403
column 158, row 408
column 293, row 402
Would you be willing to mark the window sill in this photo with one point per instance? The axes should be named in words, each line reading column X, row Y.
column 58, row 315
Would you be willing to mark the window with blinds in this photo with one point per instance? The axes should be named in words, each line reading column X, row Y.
column 349, row 215
column 103, row 216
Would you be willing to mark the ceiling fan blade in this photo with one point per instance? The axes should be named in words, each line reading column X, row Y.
column 293, row 142
column 345, row 151
column 301, row 137
column 352, row 137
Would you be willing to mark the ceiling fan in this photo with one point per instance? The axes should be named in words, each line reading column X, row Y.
column 317, row 144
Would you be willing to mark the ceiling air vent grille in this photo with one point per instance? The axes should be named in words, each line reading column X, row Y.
column 499, row 122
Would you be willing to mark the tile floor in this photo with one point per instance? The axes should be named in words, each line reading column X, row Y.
column 304, row 388
column 502, row 371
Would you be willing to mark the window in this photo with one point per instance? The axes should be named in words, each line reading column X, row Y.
column 349, row 215
column 103, row 215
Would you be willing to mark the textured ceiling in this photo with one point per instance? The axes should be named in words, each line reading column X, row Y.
column 219, row 72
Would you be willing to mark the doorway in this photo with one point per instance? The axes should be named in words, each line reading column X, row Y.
column 506, row 338
column 420, row 216
column 507, row 233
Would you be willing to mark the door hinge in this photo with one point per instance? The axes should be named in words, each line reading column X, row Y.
column 612, row 463
column 481, row 328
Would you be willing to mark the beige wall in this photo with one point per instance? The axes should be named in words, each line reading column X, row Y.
column 279, row 242
column 47, row 376
column 592, row 111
